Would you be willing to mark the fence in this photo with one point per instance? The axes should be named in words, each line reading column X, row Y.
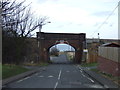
column 111, row 53
column 93, row 53
column 109, row 61
column 92, row 57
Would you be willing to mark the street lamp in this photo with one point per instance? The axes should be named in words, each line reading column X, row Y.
column 40, row 27
column 98, row 37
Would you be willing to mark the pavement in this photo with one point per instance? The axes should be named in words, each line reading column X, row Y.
column 22, row 75
column 106, row 83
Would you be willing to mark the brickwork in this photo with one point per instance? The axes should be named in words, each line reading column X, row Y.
column 47, row 40
column 108, row 66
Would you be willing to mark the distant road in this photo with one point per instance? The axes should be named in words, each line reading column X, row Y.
column 61, row 59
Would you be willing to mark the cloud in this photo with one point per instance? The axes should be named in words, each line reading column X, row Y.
column 110, row 1
column 61, row 12
column 60, row 26
column 48, row 1
column 102, row 13
column 77, row 15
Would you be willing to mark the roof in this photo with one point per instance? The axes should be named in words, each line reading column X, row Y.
column 111, row 45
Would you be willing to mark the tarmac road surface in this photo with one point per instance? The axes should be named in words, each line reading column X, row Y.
column 60, row 75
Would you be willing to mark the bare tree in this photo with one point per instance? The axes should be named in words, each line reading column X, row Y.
column 18, row 19
column 17, row 22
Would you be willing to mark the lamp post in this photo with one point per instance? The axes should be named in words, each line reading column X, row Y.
column 41, row 24
column 40, row 27
column 98, row 38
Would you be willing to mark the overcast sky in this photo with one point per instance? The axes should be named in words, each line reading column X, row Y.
column 78, row 16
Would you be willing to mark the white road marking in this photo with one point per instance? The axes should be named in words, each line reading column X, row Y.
column 93, row 85
column 91, row 80
column 58, row 80
column 56, row 85
column 86, row 76
column 26, row 78
column 50, row 76
column 22, row 79
column 80, row 68
column 81, row 71
column 40, row 76
column 59, row 74
column 83, row 75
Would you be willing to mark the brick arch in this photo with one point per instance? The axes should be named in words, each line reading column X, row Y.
column 49, row 39
column 49, row 46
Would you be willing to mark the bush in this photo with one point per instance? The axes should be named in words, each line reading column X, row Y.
column 54, row 51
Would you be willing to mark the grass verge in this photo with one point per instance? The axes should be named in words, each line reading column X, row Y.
column 108, row 76
column 89, row 64
column 42, row 64
column 37, row 64
column 115, row 79
column 12, row 70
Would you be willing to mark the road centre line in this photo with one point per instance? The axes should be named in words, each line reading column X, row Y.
column 40, row 76
column 59, row 74
column 50, row 76
column 56, row 85
column 58, row 80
